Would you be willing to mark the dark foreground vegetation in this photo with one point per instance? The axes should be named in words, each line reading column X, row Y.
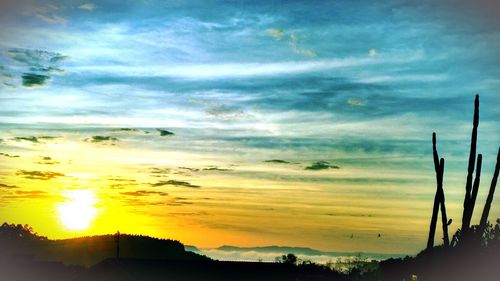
column 26, row 256
column 472, row 253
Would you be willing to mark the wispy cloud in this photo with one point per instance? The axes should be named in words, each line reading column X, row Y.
column 29, row 194
column 174, row 183
column 102, row 139
column 45, row 160
column 276, row 33
column 49, row 13
column 37, row 66
column 2, row 185
column 144, row 193
column 321, row 165
column 87, row 6
column 228, row 70
column 31, row 80
column 9, row 155
column 217, row 169
column 293, row 39
column 39, row 175
column 277, row 161
column 34, row 139
column 165, row 133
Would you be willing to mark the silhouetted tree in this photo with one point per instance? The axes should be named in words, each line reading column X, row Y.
column 289, row 259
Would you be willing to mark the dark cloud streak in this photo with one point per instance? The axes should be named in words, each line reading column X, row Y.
column 39, row 175
column 175, row 183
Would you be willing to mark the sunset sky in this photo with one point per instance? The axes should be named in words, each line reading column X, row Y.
column 247, row 123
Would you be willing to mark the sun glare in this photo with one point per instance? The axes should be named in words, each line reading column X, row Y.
column 78, row 211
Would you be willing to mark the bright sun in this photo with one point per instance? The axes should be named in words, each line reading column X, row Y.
column 78, row 211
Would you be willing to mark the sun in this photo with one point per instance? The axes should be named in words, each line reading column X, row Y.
column 78, row 211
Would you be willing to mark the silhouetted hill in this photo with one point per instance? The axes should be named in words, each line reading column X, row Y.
column 18, row 240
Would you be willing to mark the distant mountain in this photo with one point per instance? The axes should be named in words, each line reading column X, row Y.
column 269, row 253
column 192, row 248
column 274, row 249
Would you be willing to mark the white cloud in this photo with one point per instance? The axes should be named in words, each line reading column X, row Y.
column 293, row 40
column 48, row 13
column 276, row 33
column 228, row 70
column 372, row 52
column 408, row 78
column 87, row 6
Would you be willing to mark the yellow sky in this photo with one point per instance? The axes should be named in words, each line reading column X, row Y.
column 168, row 194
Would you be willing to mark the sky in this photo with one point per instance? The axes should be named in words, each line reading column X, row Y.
column 246, row 123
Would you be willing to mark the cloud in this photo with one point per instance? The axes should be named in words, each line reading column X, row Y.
column 119, row 179
column 87, row 6
column 39, row 175
column 158, row 171
column 30, row 139
column 216, row 169
column 276, row 33
column 6, row 77
column 269, row 254
column 321, row 165
column 126, row 130
column 346, row 214
column 31, row 80
column 179, row 201
column 31, row 194
column 39, row 65
column 174, row 183
column 35, row 57
column 164, row 133
column 8, row 85
column 2, row 185
column 101, row 139
column 47, row 161
column 201, row 213
column 355, row 102
column 9, row 155
column 144, row 193
column 121, row 183
column 225, row 112
column 48, row 13
column 293, row 41
column 277, row 161
column 228, row 70
column 372, row 52
column 33, row 139
column 189, row 169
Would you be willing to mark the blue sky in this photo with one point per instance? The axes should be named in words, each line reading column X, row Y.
column 360, row 85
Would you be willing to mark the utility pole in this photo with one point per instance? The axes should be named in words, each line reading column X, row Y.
column 117, row 240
